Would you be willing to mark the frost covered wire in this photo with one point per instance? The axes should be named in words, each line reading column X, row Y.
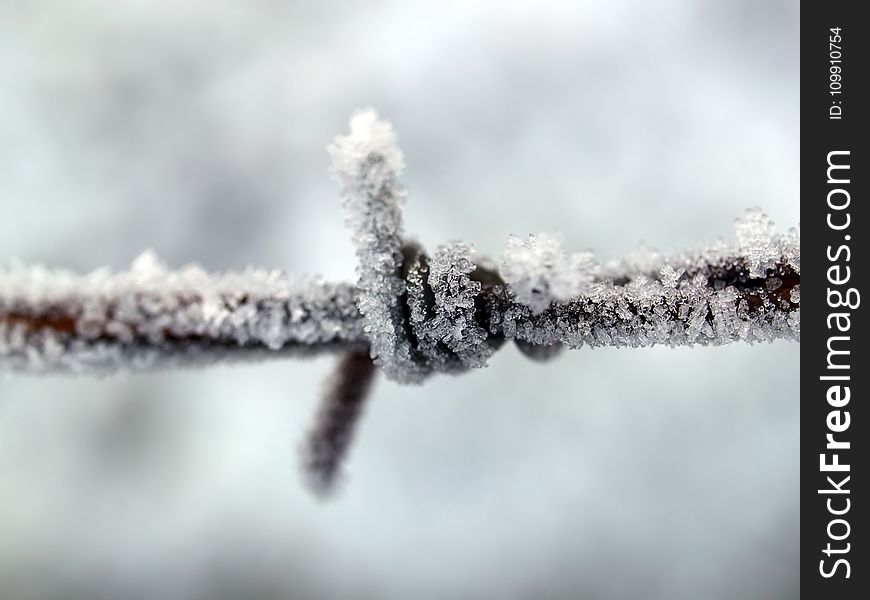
column 150, row 317
column 416, row 314
column 367, row 162
column 710, row 296
column 409, row 313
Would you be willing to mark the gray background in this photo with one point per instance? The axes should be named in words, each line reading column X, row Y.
column 198, row 128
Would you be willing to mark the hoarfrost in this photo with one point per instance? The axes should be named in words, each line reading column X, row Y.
column 454, row 322
column 756, row 234
column 791, row 248
column 642, row 259
column 414, row 314
column 670, row 276
column 538, row 271
column 368, row 162
column 55, row 319
column 716, row 294
column 723, row 307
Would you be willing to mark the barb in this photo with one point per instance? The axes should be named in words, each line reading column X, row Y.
column 327, row 443
column 367, row 162
column 411, row 313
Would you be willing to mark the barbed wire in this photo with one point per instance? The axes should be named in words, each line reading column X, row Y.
column 411, row 313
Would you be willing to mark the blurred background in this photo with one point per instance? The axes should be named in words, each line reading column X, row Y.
column 199, row 129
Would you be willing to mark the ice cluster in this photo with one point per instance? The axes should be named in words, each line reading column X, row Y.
column 54, row 319
column 755, row 234
column 713, row 295
column 454, row 323
column 539, row 272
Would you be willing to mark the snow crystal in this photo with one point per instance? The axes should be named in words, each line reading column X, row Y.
column 756, row 234
column 790, row 246
column 454, row 322
column 538, row 271
column 723, row 307
column 371, row 141
column 670, row 276
column 642, row 259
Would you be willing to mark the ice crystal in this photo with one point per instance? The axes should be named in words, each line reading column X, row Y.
column 670, row 277
column 790, row 246
column 538, row 271
column 756, row 234
column 454, row 322
column 642, row 259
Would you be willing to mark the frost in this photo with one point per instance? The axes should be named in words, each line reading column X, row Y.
column 454, row 323
column 697, row 319
column 791, row 248
column 414, row 314
column 723, row 307
column 642, row 259
column 756, row 234
column 695, row 297
column 367, row 161
column 670, row 276
column 54, row 319
column 371, row 141
column 538, row 271
column 772, row 284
